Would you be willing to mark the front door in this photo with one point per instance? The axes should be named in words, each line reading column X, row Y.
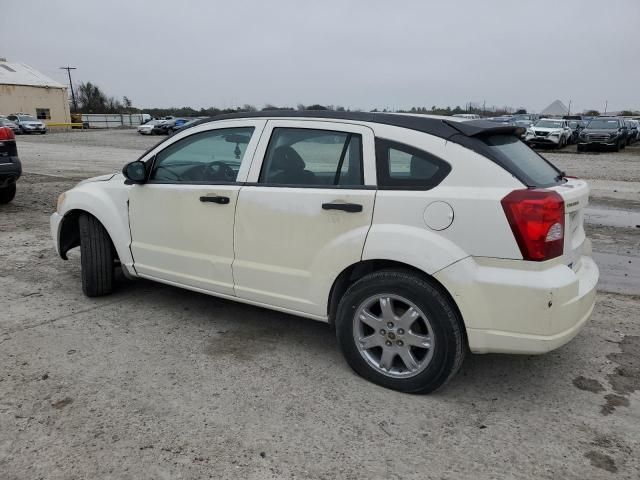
column 306, row 213
column 182, row 218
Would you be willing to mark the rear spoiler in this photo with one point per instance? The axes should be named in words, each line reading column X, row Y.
column 480, row 128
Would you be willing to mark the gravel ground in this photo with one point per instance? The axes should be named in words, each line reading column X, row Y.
column 158, row 382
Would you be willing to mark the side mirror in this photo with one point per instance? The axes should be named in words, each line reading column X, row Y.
column 135, row 172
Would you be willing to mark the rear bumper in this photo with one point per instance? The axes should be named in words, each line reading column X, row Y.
column 511, row 306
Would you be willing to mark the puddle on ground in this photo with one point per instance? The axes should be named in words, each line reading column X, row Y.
column 618, row 273
column 611, row 217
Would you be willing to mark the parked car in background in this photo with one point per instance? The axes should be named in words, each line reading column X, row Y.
column 186, row 124
column 506, row 119
column 169, row 126
column 603, row 132
column 468, row 116
column 28, row 123
column 10, row 166
column 409, row 286
column 576, row 127
column 5, row 122
column 525, row 119
column 548, row 132
column 632, row 130
column 147, row 128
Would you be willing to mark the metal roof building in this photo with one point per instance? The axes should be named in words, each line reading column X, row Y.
column 23, row 89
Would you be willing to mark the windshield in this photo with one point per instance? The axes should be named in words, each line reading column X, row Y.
column 548, row 124
column 26, row 118
column 602, row 123
column 520, row 160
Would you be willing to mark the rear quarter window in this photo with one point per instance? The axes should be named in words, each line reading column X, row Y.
column 401, row 166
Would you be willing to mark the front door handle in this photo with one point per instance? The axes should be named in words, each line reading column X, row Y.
column 215, row 199
column 346, row 207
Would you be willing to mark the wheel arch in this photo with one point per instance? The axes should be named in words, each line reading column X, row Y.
column 354, row 272
column 109, row 205
column 69, row 231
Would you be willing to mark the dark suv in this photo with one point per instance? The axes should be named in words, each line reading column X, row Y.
column 10, row 167
column 609, row 132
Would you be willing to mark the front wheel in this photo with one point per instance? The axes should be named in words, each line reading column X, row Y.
column 399, row 331
column 96, row 257
column 7, row 193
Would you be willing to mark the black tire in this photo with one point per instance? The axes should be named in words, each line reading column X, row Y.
column 617, row 147
column 449, row 341
column 7, row 193
column 582, row 148
column 96, row 257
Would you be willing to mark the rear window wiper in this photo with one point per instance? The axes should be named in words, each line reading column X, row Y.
column 560, row 176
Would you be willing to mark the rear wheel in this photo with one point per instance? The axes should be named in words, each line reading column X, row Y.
column 7, row 193
column 96, row 257
column 397, row 330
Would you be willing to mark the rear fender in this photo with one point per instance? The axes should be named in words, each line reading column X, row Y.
column 423, row 249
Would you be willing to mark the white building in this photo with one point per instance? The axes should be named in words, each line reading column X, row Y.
column 25, row 90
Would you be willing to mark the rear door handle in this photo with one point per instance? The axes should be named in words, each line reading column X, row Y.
column 215, row 199
column 345, row 207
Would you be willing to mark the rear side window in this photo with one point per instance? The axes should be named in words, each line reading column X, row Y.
column 400, row 166
column 313, row 158
column 520, row 160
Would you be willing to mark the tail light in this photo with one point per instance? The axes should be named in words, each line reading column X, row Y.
column 6, row 134
column 536, row 218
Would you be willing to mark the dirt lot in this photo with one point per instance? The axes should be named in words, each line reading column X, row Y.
column 158, row 382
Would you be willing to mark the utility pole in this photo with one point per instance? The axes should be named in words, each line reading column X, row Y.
column 73, row 95
column 569, row 112
column 606, row 104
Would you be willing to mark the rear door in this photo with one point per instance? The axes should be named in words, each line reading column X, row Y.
column 305, row 214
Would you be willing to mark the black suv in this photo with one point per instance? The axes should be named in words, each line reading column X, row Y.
column 608, row 132
column 10, row 167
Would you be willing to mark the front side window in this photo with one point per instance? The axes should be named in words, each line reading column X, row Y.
column 401, row 166
column 307, row 157
column 213, row 156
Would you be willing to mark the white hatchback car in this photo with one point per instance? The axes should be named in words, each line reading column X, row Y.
column 416, row 237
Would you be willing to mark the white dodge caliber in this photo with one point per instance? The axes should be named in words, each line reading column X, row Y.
column 416, row 237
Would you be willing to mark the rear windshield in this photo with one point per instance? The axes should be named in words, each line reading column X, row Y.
column 520, row 160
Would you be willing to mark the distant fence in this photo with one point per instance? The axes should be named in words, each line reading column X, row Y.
column 111, row 120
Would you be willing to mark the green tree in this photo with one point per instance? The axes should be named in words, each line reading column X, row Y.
column 90, row 98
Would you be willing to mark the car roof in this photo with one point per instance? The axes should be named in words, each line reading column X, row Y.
column 440, row 126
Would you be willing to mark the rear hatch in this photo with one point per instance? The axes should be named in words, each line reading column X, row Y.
column 575, row 193
column 536, row 172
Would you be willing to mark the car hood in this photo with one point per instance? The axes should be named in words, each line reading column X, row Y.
column 603, row 131
column 99, row 178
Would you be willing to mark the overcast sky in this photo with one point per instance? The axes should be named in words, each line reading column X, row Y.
column 360, row 54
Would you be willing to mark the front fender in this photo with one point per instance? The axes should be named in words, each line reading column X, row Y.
column 419, row 247
column 108, row 202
